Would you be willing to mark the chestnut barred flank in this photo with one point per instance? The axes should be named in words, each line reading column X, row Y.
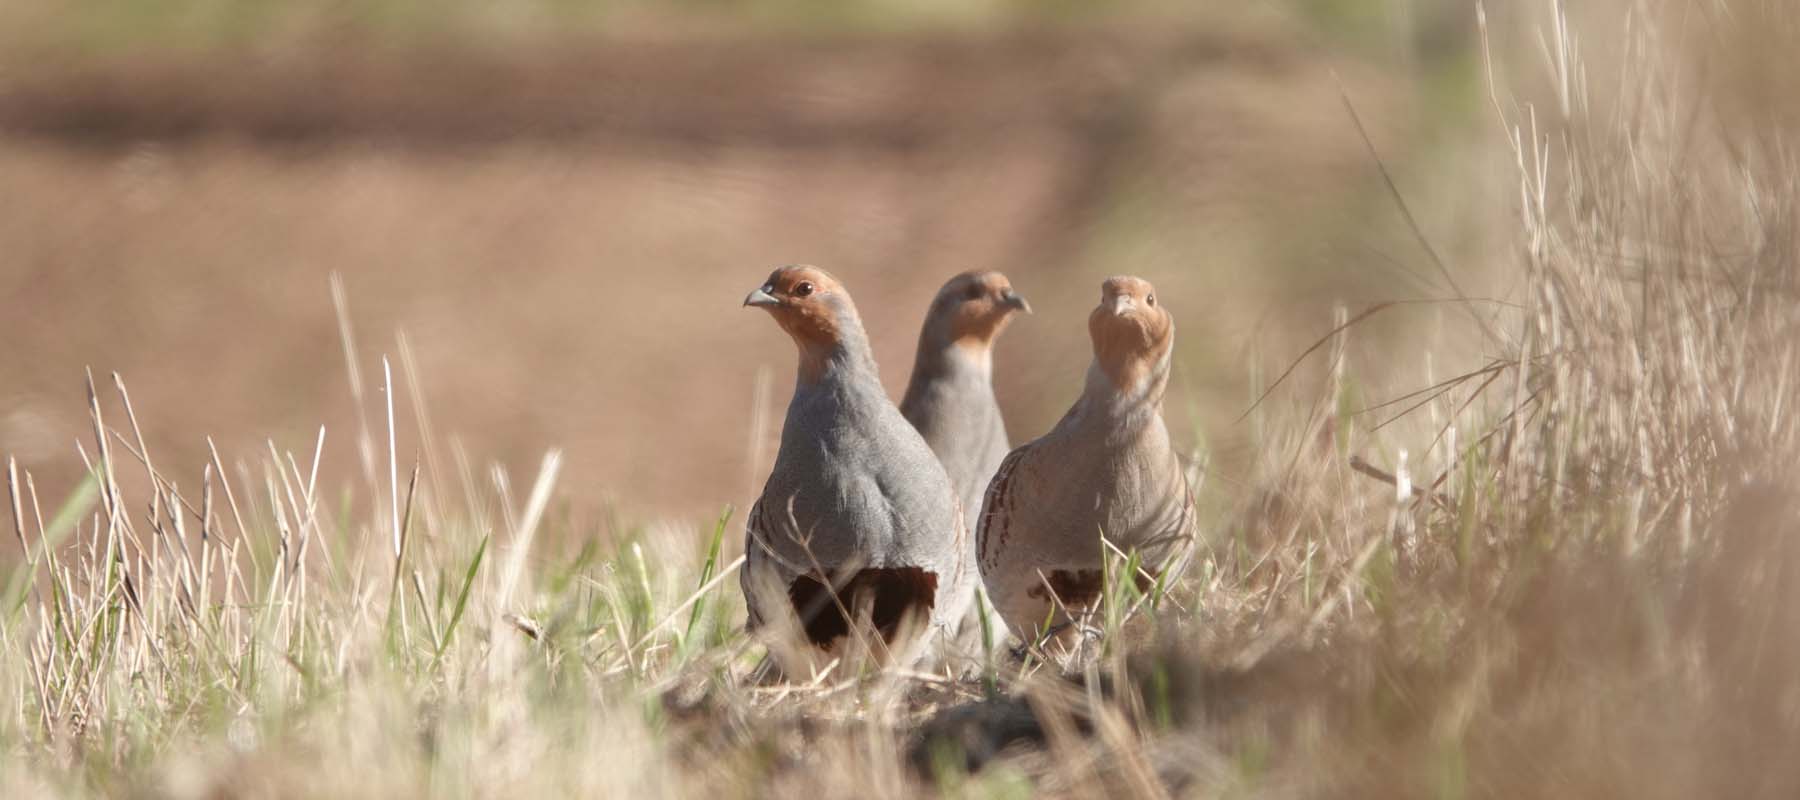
column 891, row 595
column 1073, row 588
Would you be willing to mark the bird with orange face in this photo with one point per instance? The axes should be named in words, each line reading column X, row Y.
column 950, row 397
column 858, row 519
column 1108, row 468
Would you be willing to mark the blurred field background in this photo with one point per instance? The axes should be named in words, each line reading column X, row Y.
column 1524, row 527
column 561, row 205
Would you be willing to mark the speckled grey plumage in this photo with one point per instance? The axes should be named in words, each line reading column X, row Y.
column 1107, row 466
column 857, row 484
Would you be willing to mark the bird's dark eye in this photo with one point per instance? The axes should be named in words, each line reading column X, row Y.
column 803, row 289
column 1151, row 300
column 973, row 292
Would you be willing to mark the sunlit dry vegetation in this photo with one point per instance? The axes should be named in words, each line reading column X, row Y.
column 1565, row 565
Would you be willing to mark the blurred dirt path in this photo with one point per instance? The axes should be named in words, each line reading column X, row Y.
column 564, row 234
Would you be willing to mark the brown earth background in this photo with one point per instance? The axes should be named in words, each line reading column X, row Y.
column 561, row 210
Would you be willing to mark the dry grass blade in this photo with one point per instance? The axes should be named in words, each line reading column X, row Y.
column 365, row 445
column 18, row 520
column 1321, row 342
column 525, row 528
column 412, row 486
column 1412, row 223
column 684, row 605
column 387, row 390
column 1595, row 594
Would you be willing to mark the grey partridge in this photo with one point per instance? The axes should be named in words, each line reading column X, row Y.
column 950, row 398
column 1108, row 468
column 858, row 519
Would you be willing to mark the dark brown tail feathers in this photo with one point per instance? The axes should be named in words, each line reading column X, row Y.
column 892, row 594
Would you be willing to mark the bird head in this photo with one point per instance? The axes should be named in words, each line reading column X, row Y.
column 812, row 306
column 1132, row 331
column 973, row 308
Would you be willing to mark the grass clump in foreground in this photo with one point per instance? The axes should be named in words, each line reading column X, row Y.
column 1587, row 581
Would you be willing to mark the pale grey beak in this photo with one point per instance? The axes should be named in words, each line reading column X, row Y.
column 761, row 297
column 1122, row 305
column 1011, row 299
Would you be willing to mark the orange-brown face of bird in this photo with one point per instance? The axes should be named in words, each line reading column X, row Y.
column 977, row 306
column 811, row 305
column 1131, row 329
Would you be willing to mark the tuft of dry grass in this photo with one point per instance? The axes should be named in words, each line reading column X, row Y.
column 1569, row 569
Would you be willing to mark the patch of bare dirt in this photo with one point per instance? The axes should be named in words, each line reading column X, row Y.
column 565, row 237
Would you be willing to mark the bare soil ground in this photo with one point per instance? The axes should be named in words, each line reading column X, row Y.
column 564, row 235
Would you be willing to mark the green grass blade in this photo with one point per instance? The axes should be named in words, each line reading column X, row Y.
column 462, row 600
column 706, row 571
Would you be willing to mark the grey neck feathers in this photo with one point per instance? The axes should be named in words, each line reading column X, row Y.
column 848, row 358
column 1121, row 411
column 941, row 359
